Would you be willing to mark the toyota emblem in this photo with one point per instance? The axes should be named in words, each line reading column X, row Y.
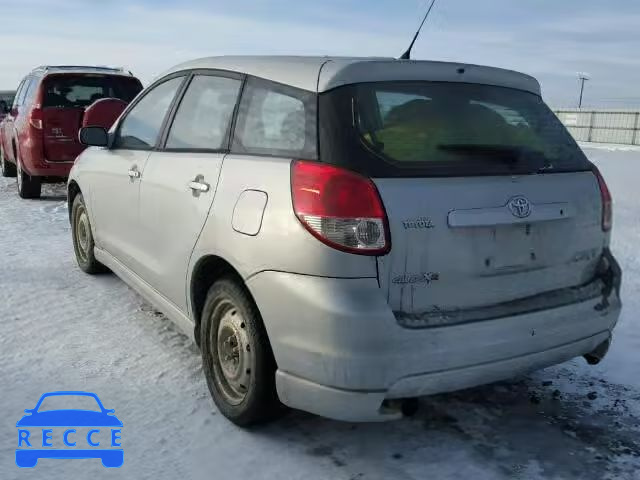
column 519, row 207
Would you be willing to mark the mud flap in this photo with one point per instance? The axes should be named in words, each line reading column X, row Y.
column 611, row 274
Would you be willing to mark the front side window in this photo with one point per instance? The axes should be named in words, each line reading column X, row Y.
column 276, row 120
column 141, row 127
column 204, row 115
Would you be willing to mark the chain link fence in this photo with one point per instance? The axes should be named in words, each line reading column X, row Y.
column 602, row 126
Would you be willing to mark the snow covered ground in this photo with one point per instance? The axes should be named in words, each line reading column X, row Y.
column 63, row 330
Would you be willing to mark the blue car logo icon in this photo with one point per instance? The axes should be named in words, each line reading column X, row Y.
column 63, row 432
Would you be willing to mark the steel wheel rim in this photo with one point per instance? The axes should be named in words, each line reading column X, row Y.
column 83, row 231
column 232, row 353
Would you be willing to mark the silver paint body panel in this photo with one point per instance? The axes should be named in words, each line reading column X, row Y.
column 319, row 74
column 248, row 212
column 332, row 317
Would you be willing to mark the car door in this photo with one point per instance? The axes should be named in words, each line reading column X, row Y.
column 180, row 181
column 116, row 172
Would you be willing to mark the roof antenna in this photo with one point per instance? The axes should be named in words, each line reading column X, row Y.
column 407, row 55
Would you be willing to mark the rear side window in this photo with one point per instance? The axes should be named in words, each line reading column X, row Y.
column 79, row 91
column 276, row 120
column 31, row 91
column 424, row 128
column 204, row 115
column 140, row 128
column 22, row 91
column 18, row 91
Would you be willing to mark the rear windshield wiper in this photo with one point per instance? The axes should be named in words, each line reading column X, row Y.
column 500, row 152
column 505, row 153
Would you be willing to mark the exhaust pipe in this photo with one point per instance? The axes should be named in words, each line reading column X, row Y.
column 408, row 407
column 595, row 357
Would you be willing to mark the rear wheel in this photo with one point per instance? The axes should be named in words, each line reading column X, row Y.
column 28, row 186
column 83, row 238
column 236, row 356
column 7, row 169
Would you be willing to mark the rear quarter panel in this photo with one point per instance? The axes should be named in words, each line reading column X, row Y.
column 28, row 140
column 282, row 243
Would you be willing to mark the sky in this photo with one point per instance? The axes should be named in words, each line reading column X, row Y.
column 549, row 39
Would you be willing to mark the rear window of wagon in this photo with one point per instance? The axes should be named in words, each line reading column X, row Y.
column 443, row 128
column 74, row 91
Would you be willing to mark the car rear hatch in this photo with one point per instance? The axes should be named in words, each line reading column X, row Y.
column 489, row 201
column 64, row 99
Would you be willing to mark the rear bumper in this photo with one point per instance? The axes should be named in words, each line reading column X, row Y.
column 35, row 163
column 49, row 169
column 363, row 406
column 341, row 353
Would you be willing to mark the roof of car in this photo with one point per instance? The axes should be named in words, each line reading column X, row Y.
column 47, row 69
column 319, row 74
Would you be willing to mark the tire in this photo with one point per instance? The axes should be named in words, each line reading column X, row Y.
column 231, row 325
column 6, row 168
column 28, row 186
column 83, row 243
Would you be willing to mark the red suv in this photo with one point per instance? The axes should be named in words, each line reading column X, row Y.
column 39, row 135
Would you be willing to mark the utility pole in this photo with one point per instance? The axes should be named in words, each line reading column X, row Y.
column 583, row 78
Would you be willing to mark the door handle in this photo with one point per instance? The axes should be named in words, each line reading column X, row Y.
column 197, row 186
column 133, row 173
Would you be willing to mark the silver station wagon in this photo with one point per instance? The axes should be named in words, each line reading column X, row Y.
column 343, row 235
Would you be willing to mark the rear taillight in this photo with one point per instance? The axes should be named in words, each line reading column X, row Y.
column 35, row 117
column 605, row 194
column 340, row 208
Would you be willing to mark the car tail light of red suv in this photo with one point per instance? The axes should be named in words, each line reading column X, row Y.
column 36, row 117
column 339, row 207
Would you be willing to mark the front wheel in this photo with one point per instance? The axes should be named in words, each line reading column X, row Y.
column 28, row 186
column 236, row 356
column 7, row 169
column 83, row 238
